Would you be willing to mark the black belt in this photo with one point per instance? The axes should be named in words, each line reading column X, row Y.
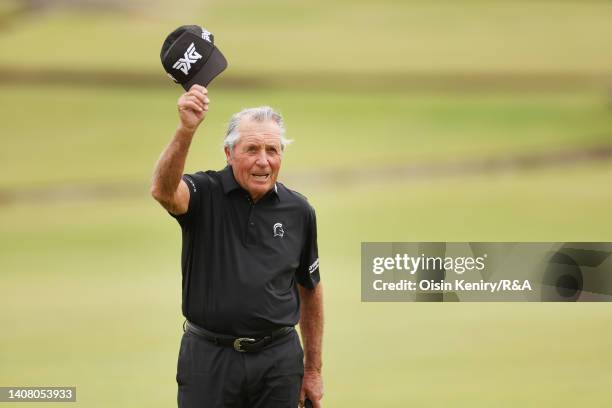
column 242, row 344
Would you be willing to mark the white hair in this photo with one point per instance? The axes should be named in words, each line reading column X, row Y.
column 258, row 114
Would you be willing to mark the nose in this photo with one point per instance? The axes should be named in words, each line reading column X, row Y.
column 262, row 158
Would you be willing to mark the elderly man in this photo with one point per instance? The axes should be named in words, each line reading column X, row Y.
column 250, row 268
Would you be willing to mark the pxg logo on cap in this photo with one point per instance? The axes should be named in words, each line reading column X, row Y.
column 189, row 56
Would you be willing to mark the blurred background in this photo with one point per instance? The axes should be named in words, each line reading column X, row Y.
column 413, row 121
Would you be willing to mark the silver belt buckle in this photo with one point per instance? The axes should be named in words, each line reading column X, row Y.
column 238, row 343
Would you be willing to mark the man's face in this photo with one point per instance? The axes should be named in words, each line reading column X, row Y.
column 257, row 156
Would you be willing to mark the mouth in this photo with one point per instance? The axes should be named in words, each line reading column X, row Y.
column 260, row 177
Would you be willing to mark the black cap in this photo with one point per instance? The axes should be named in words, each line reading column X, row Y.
column 189, row 56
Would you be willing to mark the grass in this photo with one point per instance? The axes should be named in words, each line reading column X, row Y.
column 87, row 135
column 91, row 286
column 100, row 281
column 272, row 37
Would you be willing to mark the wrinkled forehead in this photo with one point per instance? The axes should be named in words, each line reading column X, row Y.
column 252, row 131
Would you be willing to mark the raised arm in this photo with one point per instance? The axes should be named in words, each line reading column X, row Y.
column 167, row 186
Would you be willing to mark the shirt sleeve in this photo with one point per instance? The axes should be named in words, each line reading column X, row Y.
column 307, row 273
column 198, row 185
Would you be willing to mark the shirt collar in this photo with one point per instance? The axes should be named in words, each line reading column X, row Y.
column 227, row 180
column 230, row 184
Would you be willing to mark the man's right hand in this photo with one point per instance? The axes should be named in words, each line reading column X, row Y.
column 167, row 187
column 192, row 107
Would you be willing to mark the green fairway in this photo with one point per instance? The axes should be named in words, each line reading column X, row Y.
column 272, row 36
column 71, row 271
column 90, row 264
column 90, row 135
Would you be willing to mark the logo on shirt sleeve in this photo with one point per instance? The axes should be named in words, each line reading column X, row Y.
column 314, row 266
column 191, row 182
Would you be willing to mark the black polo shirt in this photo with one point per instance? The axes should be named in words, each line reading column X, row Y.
column 241, row 260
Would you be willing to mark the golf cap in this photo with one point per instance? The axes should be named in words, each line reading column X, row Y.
column 189, row 56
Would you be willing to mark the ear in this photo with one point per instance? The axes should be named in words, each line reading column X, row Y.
column 228, row 155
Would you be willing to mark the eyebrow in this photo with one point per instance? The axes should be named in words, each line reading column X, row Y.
column 250, row 144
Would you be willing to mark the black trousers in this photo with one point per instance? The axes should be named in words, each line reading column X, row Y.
column 213, row 376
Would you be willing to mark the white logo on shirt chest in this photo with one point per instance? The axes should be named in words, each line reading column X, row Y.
column 278, row 230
